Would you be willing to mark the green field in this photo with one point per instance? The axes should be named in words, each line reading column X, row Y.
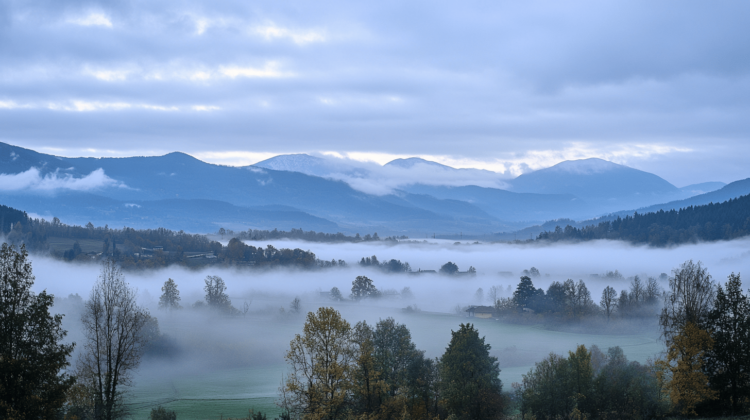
column 57, row 244
column 212, row 392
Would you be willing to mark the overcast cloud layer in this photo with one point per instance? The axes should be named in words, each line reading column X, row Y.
column 500, row 85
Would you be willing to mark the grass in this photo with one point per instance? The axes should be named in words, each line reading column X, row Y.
column 57, row 244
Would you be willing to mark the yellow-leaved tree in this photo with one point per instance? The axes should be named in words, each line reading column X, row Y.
column 318, row 386
column 688, row 385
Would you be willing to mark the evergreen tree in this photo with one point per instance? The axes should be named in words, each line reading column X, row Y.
column 31, row 356
column 170, row 297
column 728, row 362
column 470, row 377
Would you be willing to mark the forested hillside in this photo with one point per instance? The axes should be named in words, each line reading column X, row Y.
column 711, row 222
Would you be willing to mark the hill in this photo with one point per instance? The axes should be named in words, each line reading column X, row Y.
column 722, row 221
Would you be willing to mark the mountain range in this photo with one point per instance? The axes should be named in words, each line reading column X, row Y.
column 178, row 191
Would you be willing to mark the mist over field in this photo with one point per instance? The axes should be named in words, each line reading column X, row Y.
column 241, row 358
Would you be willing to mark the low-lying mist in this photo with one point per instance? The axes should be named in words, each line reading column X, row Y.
column 202, row 344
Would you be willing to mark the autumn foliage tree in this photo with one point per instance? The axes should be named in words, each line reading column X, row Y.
column 688, row 385
column 318, row 386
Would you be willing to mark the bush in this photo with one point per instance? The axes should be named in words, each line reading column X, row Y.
column 161, row 413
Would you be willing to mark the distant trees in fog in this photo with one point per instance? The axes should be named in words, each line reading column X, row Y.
column 449, row 268
column 391, row 266
column 312, row 236
column 571, row 300
column 363, row 288
column 170, row 297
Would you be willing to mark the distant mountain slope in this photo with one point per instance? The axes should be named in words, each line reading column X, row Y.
column 408, row 163
column 710, row 222
column 732, row 190
column 509, row 206
column 592, row 178
column 303, row 163
column 195, row 215
column 702, row 188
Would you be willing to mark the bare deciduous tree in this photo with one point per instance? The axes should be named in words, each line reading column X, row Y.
column 112, row 322
column 691, row 293
column 637, row 291
column 296, row 305
column 609, row 297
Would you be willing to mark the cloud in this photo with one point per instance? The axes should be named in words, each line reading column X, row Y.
column 33, row 180
column 272, row 31
column 508, row 86
column 92, row 19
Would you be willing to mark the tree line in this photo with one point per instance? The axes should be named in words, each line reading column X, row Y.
column 310, row 236
column 710, row 222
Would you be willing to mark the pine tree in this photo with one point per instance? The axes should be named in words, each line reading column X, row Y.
column 470, row 377
column 31, row 356
column 728, row 362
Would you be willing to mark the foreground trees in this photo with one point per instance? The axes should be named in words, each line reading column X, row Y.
column 590, row 384
column 113, row 324
column 470, row 377
column 728, row 360
column 31, row 356
column 340, row 372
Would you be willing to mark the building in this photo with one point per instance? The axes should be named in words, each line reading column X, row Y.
column 481, row 311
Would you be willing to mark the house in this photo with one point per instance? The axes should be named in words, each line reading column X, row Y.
column 481, row 311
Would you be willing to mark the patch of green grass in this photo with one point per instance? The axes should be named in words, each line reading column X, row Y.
column 57, row 244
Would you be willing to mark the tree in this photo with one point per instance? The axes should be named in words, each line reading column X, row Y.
column 688, row 385
column 607, row 303
column 170, row 297
column 31, row 355
column 363, row 288
column 583, row 300
column 728, row 362
column 470, row 377
column 525, row 294
column 296, row 305
column 336, row 294
column 637, row 291
column 112, row 324
column 161, row 413
column 479, row 295
column 216, row 298
column 318, row 384
column 449, row 268
column 581, row 375
column 690, row 295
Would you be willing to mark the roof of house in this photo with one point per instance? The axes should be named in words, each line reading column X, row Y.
column 481, row 309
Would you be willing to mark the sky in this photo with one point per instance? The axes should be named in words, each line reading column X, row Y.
column 499, row 85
